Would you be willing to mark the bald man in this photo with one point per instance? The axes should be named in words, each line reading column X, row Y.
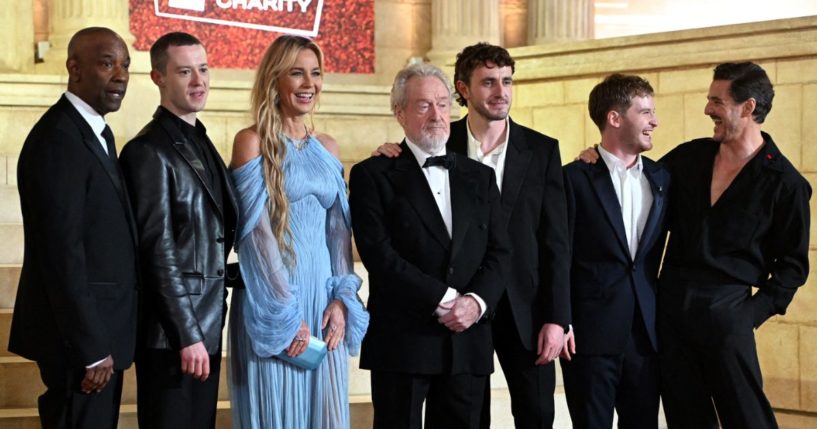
column 75, row 313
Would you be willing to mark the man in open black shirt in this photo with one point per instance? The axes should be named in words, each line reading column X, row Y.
column 739, row 218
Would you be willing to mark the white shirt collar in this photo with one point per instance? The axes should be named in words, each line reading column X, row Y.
column 419, row 154
column 474, row 149
column 91, row 116
column 616, row 164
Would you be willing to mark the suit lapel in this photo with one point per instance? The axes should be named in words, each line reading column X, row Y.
column 462, row 205
column 601, row 183
column 658, row 188
column 516, row 166
column 409, row 181
column 110, row 166
column 182, row 146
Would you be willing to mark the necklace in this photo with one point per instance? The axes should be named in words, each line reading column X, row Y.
column 299, row 143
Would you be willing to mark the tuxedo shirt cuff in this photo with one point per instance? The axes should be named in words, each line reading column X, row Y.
column 95, row 364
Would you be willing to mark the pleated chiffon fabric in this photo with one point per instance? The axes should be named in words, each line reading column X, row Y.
column 267, row 392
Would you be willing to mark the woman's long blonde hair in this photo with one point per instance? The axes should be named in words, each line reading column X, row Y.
column 278, row 60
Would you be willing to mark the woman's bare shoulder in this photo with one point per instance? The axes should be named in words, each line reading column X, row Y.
column 246, row 146
column 329, row 143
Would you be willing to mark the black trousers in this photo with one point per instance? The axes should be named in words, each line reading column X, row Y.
column 64, row 406
column 708, row 357
column 452, row 401
column 531, row 386
column 595, row 384
column 168, row 399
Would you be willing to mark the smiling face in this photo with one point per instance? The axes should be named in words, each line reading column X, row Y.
column 425, row 115
column 489, row 92
column 185, row 82
column 729, row 116
column 300, row 86
column 98, row 70
column 637, row 124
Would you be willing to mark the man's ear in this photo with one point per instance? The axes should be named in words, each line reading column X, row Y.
column 462, row 88
column 157, row 78
column 749, row 107
column 400, row 114
column 614, row 119
column 72, row 65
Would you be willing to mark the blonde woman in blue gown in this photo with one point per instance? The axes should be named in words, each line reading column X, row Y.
column 294, row 248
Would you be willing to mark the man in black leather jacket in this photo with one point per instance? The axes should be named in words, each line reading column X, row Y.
column 185, row 211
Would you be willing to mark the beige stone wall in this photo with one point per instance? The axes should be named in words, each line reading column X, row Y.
column 550, row 94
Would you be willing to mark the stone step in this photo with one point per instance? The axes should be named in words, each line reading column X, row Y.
column 11, row 235
column 27, row 418
column 20, row 384
column 360, row 415
column 9, row 278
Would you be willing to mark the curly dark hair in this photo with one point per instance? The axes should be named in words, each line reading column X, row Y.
column 478, row 55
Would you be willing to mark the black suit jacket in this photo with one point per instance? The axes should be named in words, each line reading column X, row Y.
column 77, row 295
column 606, row 282
column 533, row 201
column 185, row 235
column 411, row 262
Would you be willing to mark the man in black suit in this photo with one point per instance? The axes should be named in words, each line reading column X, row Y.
column 533, row 315
column 616, row 212
column 739, row 218
column 430, row 232
column 75, row 313
column 186, row 214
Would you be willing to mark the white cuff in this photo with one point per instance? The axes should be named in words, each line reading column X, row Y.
column 95, row 364
column 450, row 295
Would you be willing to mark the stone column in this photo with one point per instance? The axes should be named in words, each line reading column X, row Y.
column 17, row 43
column 456, row 24
column 559, row 20
column 66, row 17
column 514, row 23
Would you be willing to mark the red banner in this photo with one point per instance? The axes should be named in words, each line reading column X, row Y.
column 237, row 32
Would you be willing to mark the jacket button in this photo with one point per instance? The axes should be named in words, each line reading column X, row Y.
column 220, row 240
column 220, row 272
column 634, row 268
column 451, row 270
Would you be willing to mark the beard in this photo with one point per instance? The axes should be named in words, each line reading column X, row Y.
column 499, row 115
column 431, row 144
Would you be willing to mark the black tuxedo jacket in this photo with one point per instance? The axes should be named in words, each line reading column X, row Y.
column 411, row 262
column 606, row 282
column 533, row 202
column 77, row 295
column 184, row 235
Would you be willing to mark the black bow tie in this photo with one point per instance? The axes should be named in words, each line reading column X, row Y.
column 446, row 161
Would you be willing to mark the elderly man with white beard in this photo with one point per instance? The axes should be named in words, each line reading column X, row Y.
column 429, row 229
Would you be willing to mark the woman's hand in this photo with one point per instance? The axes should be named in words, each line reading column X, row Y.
column 335, row 317
column 300, row 341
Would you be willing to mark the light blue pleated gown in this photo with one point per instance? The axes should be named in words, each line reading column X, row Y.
column 266, row 392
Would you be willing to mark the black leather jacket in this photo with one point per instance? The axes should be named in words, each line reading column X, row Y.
column 184, row 236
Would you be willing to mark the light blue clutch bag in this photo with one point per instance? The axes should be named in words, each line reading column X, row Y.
column 311, row 358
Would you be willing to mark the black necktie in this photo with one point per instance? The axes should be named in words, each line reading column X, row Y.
column 109, row 141
column 445, row 161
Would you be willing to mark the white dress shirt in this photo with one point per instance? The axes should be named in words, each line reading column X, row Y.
column 437, row 177
column 91, row 116
column 495, row 158
column 634, row 195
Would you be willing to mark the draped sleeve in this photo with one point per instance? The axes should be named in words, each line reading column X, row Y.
column 272, row 315
column 344, row 283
